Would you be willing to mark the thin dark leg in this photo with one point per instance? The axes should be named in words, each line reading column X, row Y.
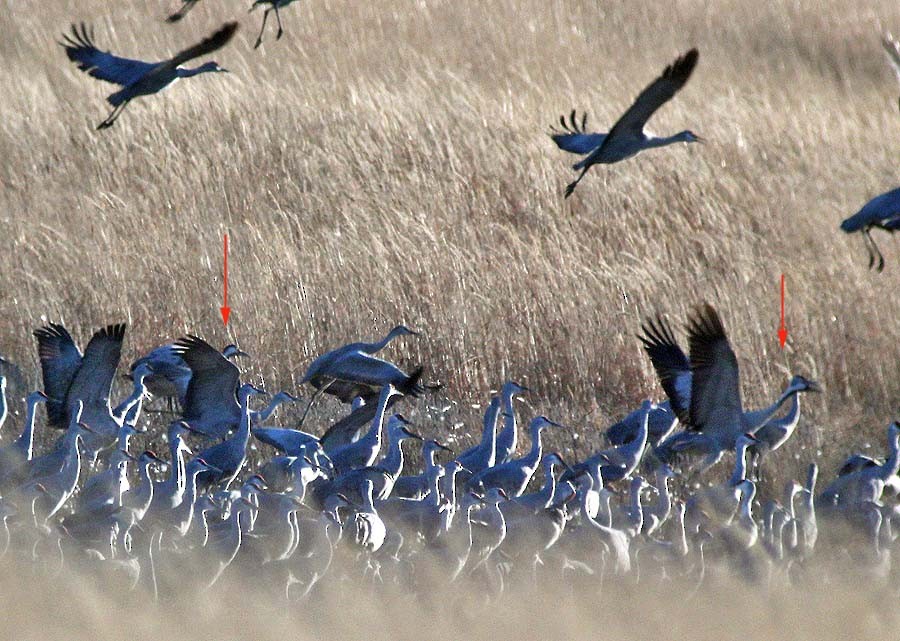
column 113, row 116
column 571, row 186
column 278, row 18
column 873, row 252
column 263, row 28
column 315, row 396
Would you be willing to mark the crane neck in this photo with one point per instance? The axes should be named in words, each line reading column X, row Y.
column 137, row 393
column 392, row 463
column 4, row 408
column 892, row 464
column 263, row 415
column 757, row 419
column 26, row 438
column 534, row 456
column 508, row 439
column 740, row 464
column 489, row 429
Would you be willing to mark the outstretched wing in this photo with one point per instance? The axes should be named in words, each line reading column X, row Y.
column 81, row 50
column 715, row 391
column 60, row 360
column 658, row 93
column 93, row 381
column 573, row 138
column 214, row 378
column 216, row 41
column 671, row 365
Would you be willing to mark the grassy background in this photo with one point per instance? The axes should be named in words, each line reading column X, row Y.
column 388, row 162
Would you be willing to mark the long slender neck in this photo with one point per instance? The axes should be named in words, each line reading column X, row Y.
column 263, row 415
column 740, row 465
column 548, row 490
column 755, row 420
column 489, row 431
column 187, row 73
column 393, row 460
column 892, row 464
column 428, row 454
column 536, row 447
column 377, row 346
column 4, row 408
column 654, row 141
column 637, row 510
column 375, row 435
column 789, row 421
column 664, row 501
column 26, row 438
column 133, row 399
column 508, row 439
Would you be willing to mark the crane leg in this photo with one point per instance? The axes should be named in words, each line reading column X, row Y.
column 263, row 28
column 874, row 252
column 315, row 396
column 278, row 18
column 113, row 116
column 572, row 185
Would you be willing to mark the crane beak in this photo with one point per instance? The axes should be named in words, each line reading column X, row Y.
column 813, row 386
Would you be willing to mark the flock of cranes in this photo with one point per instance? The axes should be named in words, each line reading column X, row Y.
column 291, row 510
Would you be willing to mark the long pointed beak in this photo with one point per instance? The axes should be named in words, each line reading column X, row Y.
column 814, row 387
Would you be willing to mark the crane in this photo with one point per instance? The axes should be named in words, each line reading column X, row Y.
column 882, row 212
column 627, row 137
column 136, row 77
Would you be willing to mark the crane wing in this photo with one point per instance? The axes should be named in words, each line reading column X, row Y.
column 573, row 137
column 93, row 382
column 671, row 365
column 214, row 379
column 81, row 50
column 216, row 41
column 60, row 360
column 358, row 367
column 658, row 93
column 715, row 391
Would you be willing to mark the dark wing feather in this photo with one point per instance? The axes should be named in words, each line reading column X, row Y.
column 671, row 365
column 572, row 136
column 715, row 391
column 60, row 360
column 658, row 93
column 216, row 41
column 81, row 50
column 214, row 379
column 93, row 382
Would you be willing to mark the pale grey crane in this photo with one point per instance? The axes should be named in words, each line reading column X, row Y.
column 170, row 375
column 287, row 441
column 508, row 438
column 52, row 461
column 660, row 423
column 882, row 212
column 777, row 431
column 139, row 498
column 211, row 405
column 616, row 541
column 15, row 455
column 627, row 136
column 867, row 482
column 513, row 476
column 353, row 371
column 705, row 391
column 365, row 525
column 546, row 495
column 363, row 452
column 416, row 486
column 274, row 5
column 136, row 77
column 229, row 455
column 482, row 456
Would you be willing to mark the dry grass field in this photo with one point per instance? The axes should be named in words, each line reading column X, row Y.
column 389, row 162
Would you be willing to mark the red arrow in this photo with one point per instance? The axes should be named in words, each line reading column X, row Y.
column 225, row 309
column 782, row 329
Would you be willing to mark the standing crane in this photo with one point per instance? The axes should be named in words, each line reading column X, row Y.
column 627, row 137
column 705, row 391
column 136, row 77
column 882, row 212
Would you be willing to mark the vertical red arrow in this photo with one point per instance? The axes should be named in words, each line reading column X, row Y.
column 225, row 309
column 782, row 329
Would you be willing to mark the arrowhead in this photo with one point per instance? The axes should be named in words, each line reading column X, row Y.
column 782, row 336
column 226, row 312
